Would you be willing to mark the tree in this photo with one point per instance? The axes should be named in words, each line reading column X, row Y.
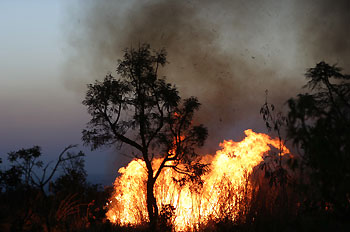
column 73, row 179
column 275, row 121
column 28, row 171
column 24, row 198
column 319, row 123
column 26, row 163
column 142, row 110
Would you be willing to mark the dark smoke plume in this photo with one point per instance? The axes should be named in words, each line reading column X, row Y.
column 325, row 31
column 227, row 53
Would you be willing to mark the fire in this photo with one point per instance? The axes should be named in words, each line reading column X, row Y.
column 224, row 193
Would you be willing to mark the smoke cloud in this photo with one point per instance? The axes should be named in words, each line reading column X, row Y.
column 226, row 53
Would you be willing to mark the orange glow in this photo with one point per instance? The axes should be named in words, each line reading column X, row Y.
column 225, row 192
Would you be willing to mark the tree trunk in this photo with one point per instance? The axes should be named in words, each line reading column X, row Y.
column 152, row 207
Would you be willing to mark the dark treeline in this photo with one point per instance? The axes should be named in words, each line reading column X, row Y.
column 54, row 196
column 308, row 192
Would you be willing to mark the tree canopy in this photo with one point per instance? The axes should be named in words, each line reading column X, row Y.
column 319, row 123
column 142, row 110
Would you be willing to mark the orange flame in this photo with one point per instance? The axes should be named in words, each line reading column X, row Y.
column 225, row 192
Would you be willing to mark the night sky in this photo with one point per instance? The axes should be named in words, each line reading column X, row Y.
column 226, row 53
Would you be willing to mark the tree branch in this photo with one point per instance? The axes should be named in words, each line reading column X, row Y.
column 59, row 161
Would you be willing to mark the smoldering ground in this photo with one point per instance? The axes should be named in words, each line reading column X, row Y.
column 227, row 53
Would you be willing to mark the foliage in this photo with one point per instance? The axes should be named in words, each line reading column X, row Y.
column 31, row 200
column 167, row 217
column 319, row 123
column 28, row 170
column 276, row 122
column 142, row 110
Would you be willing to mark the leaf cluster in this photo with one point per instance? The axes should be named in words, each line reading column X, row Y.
column 319, row 123
column 142, row 110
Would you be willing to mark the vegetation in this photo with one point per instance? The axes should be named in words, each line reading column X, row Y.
column 310, row 191
column 34, row 197
column 315, row 190
column 145, row 112
column 319, row 123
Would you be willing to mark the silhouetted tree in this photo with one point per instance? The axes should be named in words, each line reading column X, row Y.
column 73, row 178
column 31, row 170
column 78, row 203
column 319, row 123
column 275, row 121
column 25, row 199
column 144, row 111
column 279, row 182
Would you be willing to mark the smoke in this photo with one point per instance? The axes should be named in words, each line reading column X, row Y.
column 324, row 31
column 226, row 53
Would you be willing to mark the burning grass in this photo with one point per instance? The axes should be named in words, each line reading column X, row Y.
column 224, row 192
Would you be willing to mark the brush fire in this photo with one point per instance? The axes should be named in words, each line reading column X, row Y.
column 225, row 189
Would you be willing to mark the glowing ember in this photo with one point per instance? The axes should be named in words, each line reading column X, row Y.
column 225, row 191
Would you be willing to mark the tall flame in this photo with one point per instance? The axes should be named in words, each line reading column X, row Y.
column 224, row 192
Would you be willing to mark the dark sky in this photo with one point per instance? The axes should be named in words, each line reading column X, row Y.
column 227, row 53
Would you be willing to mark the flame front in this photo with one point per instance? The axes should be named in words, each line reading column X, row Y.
column 225, row 191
